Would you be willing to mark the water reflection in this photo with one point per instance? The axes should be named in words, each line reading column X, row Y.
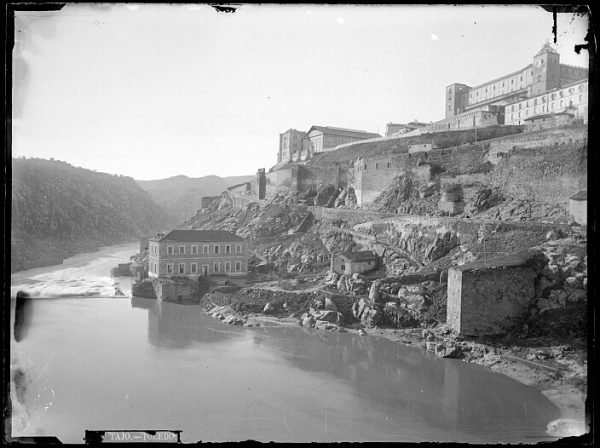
column 446, row 393
column 179, row 326
column 412, row 385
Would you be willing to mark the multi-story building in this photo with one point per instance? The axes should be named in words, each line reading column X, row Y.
column 571, row 98
column 324, row 138
column 194, row 253
column 543, row 74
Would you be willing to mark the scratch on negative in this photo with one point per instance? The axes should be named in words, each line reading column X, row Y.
column 285, row 421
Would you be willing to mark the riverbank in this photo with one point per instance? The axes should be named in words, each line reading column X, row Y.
column 558, row 371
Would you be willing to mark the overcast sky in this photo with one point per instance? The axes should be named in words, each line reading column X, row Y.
column 154, row 91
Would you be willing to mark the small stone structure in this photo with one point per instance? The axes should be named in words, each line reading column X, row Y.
column 578, row 207
column 349, row 263
column 486, row 298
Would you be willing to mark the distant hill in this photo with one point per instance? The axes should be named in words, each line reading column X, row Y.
column 59, row 210
column 181, row 196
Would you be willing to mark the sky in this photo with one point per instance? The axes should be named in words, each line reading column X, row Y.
column 153, row 91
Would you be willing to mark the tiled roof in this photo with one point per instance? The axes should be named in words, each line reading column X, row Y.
column 363, row 255
column 342, row 131
column 192, row 236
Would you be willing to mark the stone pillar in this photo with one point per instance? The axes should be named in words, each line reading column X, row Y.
column 261, row 183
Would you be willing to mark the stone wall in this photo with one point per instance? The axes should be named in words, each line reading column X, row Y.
column 547, row 138
column 372, row 175
column 487, row 300
column 549, row 174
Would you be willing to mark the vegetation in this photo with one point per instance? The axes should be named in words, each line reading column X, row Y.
column 59, row 210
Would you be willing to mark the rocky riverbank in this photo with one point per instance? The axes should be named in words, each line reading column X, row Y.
column 557, row 366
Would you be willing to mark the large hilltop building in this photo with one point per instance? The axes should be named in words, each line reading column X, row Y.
column 543, row 74
column 297, row 146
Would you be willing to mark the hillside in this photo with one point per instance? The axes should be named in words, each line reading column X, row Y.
column 59, row 210
column 181, row 196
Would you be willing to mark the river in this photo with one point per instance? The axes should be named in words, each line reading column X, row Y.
column 93, row 360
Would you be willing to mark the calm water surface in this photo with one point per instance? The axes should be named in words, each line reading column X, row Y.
column 129, row 363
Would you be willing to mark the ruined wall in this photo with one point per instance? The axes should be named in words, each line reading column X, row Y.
column 549, row 174
column 282, row 178
column 372, row 175
column 311, row 176
column 547, row 137
column 487, row 301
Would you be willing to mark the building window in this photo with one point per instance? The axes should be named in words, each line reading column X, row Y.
column 238, row 248
column 227, row 248
column 182, row 249
column 205, row 249
column 227, row 266
column 169, row 268
column 238, row 266
column 194, row 250
column 217, row 248
column 205, row 269
column 389, row 164
column 194, row 268
column 216, row 266
column 580, row 98
column 169, row 250
column 535, row 101
column 182, row 268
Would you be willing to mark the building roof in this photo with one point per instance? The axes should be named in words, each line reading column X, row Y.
column 237, row 185
column 192, row 236
column 546, row 49
column 342, row 131
column 527, row 258
column 363, row 255
column 581, row 196
column 549, row 115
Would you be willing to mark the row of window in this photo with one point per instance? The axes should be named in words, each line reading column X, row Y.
column 195, row 247
column 377, row 166
column 193, row 268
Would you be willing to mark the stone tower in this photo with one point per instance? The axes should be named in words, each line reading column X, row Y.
column 456, row 99
column 546, row 70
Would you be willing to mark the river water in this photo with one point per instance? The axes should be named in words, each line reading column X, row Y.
column 95, row 361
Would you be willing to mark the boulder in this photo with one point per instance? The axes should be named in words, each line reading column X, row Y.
column 330, row 316
column 341, row 284
column 269, row 308
column 574, row 282
column 577, row 295
column 328, row 326
column 233, row 320
column 557, row 297
column 330, row 305
column 394, row 288
column 308, row 322
column 374, row 293
column 552, row 272
column 414, row 302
